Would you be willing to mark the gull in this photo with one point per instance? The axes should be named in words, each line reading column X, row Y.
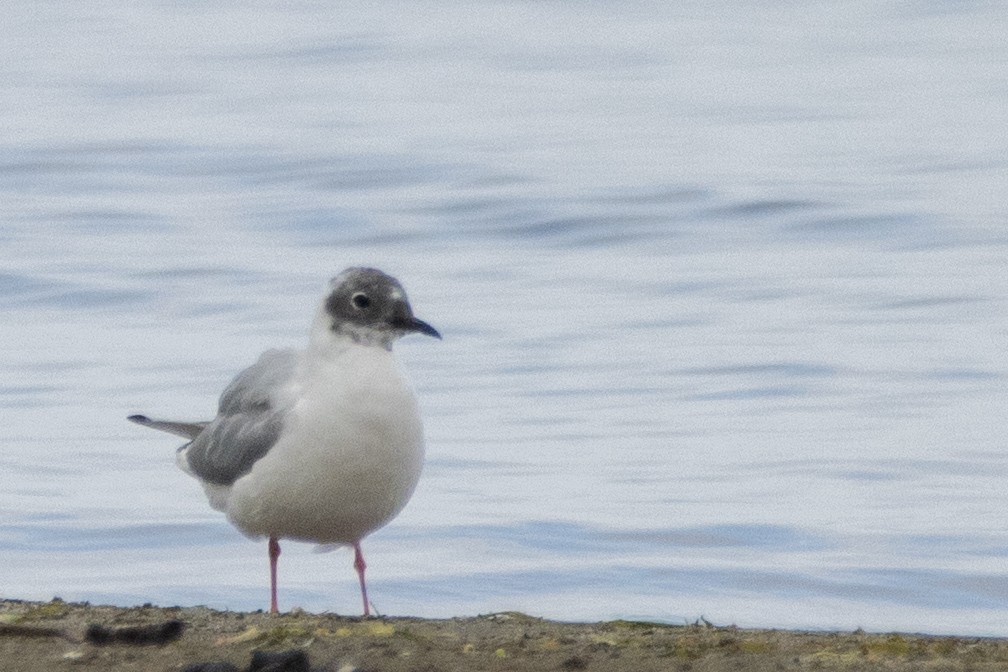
column 323, row 444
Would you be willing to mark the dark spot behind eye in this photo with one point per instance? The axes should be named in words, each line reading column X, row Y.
column 360, row 300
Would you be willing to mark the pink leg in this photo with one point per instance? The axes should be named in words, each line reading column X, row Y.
column 360, row 567
column 274, row 553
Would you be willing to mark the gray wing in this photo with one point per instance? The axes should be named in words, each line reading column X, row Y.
column 248, row 421
column 187, row 430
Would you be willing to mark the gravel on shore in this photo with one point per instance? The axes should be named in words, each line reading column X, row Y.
column 57, row 635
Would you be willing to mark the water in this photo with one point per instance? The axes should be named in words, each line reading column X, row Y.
column 722, row 290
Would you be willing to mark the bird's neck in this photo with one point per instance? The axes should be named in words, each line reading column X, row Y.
column 326, row 342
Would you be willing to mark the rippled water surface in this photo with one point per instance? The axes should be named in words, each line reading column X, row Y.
column 722, row 288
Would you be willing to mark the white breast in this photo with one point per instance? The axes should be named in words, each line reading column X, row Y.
column 348, row 459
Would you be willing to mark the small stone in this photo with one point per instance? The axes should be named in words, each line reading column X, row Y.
column 217, row 666
column 293, row 660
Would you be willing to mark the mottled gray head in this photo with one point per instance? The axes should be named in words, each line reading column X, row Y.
column 371, row 307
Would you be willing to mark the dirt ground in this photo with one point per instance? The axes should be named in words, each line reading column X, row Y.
column 54, row 636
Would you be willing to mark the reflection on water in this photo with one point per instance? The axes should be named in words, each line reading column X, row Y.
column 722, row 295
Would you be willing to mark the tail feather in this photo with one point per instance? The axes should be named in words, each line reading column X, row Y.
column 187, row 430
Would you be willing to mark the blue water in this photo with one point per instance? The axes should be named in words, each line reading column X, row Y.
column 722, row 287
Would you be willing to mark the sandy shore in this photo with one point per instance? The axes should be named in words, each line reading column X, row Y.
column 37, row 636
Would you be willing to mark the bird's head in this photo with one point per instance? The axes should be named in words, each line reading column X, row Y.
column 371, row 308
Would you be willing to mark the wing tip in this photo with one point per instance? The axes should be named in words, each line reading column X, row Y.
column 139, row 418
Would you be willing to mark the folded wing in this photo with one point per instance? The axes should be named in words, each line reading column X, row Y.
column 249, row 421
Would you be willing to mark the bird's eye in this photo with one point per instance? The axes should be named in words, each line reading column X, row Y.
column 360, row 300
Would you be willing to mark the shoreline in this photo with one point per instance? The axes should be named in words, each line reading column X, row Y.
column 57, row 635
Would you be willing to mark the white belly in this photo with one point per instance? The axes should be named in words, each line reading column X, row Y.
column 347, row 461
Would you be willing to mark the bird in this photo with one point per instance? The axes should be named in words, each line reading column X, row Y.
column 322, row 444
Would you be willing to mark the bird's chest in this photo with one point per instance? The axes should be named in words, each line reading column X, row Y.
column 358, row 411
